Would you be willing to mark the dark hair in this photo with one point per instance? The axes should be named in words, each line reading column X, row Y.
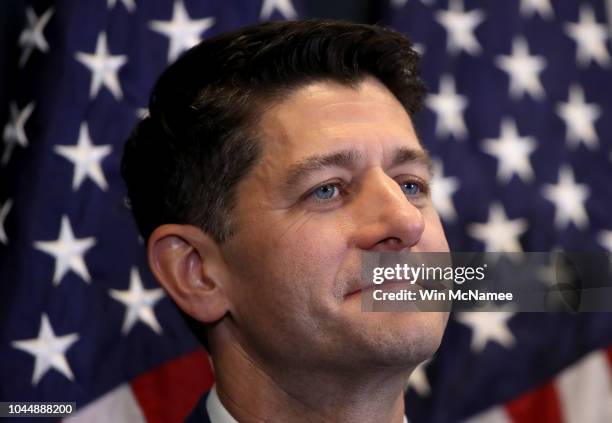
column 183, row 162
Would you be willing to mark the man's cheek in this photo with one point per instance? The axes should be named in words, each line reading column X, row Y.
column 433, row 238
column 285, row 229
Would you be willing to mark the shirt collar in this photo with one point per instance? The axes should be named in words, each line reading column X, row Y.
column 216, row 410
column 219, row 414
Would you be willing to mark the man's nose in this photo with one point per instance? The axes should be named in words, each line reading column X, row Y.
column 387, row 219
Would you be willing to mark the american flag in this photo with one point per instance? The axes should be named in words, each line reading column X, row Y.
column 518, row 119
column 81, row 318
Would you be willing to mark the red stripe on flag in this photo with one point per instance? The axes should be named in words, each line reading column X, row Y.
column 169, row 392
column 537, row 406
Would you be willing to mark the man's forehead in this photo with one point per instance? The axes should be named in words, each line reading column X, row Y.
column 321, row 97
column 326, row 116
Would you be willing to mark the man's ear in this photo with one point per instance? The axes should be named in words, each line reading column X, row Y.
column 189, row 265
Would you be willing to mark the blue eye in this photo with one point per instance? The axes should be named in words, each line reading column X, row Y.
column 325, row 192
column 411, row 188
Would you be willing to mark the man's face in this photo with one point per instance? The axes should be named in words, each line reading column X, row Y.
column 341, row 172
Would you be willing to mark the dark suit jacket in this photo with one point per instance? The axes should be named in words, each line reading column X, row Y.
column 199, row 414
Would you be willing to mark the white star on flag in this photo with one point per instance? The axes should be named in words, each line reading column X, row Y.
column 590, row 38
column 460, row 27
column 139, row 303
column 129, row 4
column 512, row 152
column 104, row 68
column 442, row 190
column 4, row 211
column 142, row 112
column 48, row 350
column 554, row 273
column 491, row 326
column 541, row 7
column 182, row 31
column 569, row 199
column 499, row 234
column 68, row 252
column 605, row 239
column 86, row 159
column 523, row 70
column 14, row 130
column 32, row 37
column 284, row 7
column 419, row 48
column 449, row 107
column 579, row 117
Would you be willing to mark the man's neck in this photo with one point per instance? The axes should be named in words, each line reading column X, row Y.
column 254, row 392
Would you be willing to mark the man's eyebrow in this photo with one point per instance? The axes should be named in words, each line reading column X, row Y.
column 346, row 159
column 405, row 155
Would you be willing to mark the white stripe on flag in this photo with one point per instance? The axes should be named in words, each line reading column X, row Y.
column 492, row 415
column 117, row 406
column 585, row 390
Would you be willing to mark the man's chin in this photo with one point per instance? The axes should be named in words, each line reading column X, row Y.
column 396, row 339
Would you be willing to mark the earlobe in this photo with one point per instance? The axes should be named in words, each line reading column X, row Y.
column 188, row 264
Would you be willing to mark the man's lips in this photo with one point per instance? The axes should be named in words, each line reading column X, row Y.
column 389, row 283
column 359, row 286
